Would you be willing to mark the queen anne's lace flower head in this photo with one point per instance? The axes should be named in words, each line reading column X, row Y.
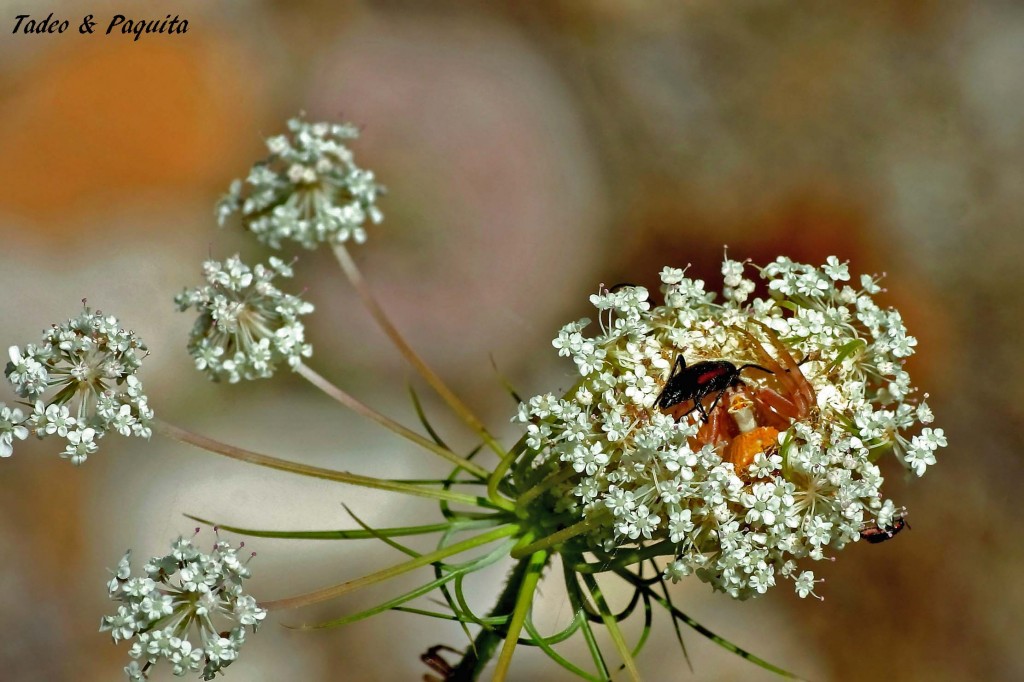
column 81, row 383
column 783, row 468
column 246, row 325
column 308, row 190
column 183, row 594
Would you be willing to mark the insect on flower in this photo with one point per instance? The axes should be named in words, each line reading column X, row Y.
column 698, row 381
column 875, row 533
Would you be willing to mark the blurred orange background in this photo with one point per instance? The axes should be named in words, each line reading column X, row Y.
column 531, row 151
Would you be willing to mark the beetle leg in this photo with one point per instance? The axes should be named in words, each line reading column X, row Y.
column 700, row 408
column 718, row 397
column 672, row 375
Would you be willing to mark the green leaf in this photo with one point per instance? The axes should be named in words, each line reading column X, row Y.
column 353, row 534
column 545, row 646
column 334, row 591
column 418, row 406
column 724, row 643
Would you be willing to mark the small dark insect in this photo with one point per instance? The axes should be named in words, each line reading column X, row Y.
column 436, row 662
column 621, row 285
column 698, row 381
column 875, row 534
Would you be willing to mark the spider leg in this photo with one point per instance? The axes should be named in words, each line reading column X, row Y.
column 787, row 371
column 781, row 374
column 773, row 409
column 716, row 431
column 804, row 392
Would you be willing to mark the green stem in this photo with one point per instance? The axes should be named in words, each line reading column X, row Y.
column 524, row 602
column 359, row 408
column 250, row 457
column 499, row 473
column 612, row 625
column 378, row 314
column 558, row 537
column 551, row 481
column 394, row 571
column 485, row 644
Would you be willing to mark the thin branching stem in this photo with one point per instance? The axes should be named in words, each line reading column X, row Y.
column 359, row 284
column 456, row 526
column 361, row 409
column 496, row 476
column 524, row 602
column 559, row 476
column 483, row 647
column 250, row 457
column 612, row 625
column 334, row 591
column 558, row 537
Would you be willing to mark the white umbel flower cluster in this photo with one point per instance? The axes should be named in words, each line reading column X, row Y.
column 308, row 190
column 81, row 383
column 183, row 593
column 247, row 326
column 782, row 467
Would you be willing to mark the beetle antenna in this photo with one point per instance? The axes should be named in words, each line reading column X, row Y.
column 751, row 366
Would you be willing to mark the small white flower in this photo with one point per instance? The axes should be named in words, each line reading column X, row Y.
column 837, row 271
column 11, row 427
column 89, row 363
column 187, row 594
column 789, row 471
column 308, row 190
column 80, row 445
column 247, row 326
column 804, row 584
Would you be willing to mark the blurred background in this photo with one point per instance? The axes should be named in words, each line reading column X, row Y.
column 531, row 151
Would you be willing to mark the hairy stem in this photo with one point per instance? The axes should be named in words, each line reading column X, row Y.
column 485, row 644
